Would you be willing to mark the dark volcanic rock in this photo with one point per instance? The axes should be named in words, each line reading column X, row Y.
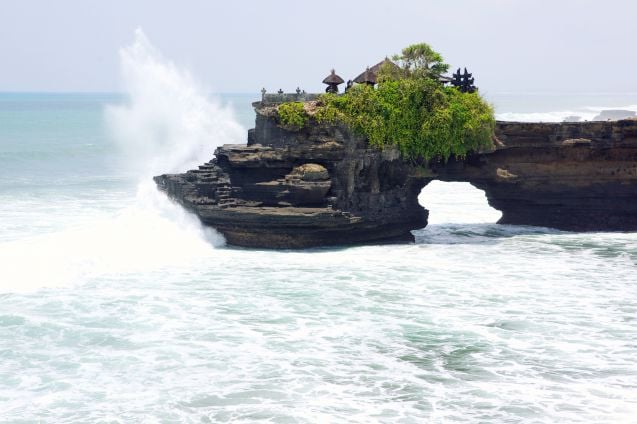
column 323, row 186
column 317, row 186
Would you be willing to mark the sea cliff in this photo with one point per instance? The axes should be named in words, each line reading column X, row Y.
column 322, row 185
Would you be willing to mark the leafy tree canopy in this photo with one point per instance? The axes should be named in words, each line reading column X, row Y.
column 420, row 60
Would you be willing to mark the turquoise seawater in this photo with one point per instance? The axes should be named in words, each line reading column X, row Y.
column 117, row 306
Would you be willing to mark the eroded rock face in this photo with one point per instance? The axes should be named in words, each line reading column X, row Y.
column 318, row 186
column 323, row 186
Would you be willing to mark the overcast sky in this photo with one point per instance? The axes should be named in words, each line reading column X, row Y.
column 242, row 45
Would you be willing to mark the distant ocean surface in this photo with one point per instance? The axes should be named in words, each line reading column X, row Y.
column 116, row 306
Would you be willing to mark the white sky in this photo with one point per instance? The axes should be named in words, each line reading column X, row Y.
column 242, row 45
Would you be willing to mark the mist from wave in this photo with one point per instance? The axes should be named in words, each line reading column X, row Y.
column 169, row 124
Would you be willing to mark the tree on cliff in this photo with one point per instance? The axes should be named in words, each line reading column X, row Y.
column 420, row 60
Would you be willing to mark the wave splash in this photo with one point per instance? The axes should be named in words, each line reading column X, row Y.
column 167, row 124
column 149, row 235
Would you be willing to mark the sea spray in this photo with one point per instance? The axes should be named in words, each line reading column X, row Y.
column 167, row 124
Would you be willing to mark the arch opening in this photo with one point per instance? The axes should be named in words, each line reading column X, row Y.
column 456, row 203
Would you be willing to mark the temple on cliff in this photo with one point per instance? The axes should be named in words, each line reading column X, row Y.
column 370, row 74
column 464, row 82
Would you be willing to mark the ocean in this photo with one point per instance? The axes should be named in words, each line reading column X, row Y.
column 117, row 306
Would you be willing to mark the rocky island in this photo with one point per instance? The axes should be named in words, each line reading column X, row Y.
column 320, row 183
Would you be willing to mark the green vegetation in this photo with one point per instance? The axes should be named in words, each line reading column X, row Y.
column 409, row 108
column 292, row 114
column 420, row 60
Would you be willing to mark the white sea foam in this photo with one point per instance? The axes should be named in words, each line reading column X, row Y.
column 584, row 113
